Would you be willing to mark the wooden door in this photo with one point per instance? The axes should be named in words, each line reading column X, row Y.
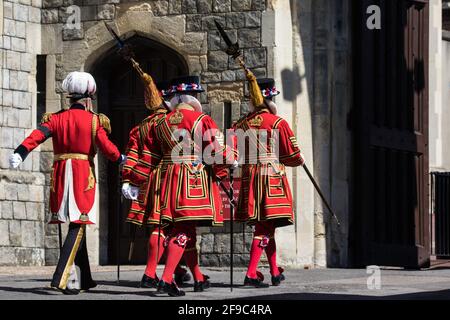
column 390, row 125
column 122, row 99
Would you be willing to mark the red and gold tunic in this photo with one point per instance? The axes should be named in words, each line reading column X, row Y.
column 140, row 170
column 189, row 148
column 265, row 192
column 75, row 133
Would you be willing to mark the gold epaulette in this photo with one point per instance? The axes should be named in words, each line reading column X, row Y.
column 46, row 117
column 104, row 122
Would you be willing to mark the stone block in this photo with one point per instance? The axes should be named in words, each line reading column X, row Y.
column 29, row 256
column 26, row 61
column 4, row 233
column 221, row 6
column 36, row 193
column 9, row 27
column 249, row 38
column 7, row 211
column 88, row 13
column 70, row 34
column 259, row 5
column 34, row 14
column 189, row 6
column 204, row 6
column 193, row 22
column 51, row 242
column 209, row 260
column 39, row 229
column 252, row 19
column 22, row 100
column 241, row 5
column 228, row 75
column 34, row 210
column 18, row 44
column 6, row 42
column 28, row 234
column 51, row 257
column 235, row 20
column 2, row 195
column 36, row 160
column 15, row 233
column 18, row 136
column 7, row 10
column 11, row 191
column 19, row 211
column 195, row 43
column 175, row 6
column 21, row 30
column 7, row 137
column 207, row 243
column 208, row 77
column 20, row 12
column 214, row 41
column 23, row 192
column 217, row 61
column 24, row 118
column 222, row 243
column 49, row 16
column 255, row 57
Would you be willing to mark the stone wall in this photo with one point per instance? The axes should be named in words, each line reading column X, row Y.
column 21, row 192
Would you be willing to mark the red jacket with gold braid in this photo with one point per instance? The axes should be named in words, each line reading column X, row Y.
column 144, row 210
column 75, row 133
column 265, row 192
column 187, row 187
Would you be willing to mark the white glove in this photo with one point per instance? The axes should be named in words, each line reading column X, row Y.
column 15, row 160
column 235, row 164
column 134, row 192
column 126, row 190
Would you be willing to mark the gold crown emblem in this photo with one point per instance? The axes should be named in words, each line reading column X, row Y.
column 176, row 118
column 256, row 121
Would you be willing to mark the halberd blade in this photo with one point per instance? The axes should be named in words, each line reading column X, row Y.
column 223, row 34
column 114, row 34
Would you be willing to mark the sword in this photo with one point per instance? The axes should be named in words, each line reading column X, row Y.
column 231, row 228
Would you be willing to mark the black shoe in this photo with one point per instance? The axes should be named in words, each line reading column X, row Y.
column 200, row 286
column 182, row 277
column 148, row 282
column 170, row 288
column 92, row 284
column 257, row 283
column 276, row 280
column 67, row 291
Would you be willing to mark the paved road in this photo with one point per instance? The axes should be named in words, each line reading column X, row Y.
column 32, row 283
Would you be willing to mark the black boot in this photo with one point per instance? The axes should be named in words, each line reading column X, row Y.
column 170, row 288
column 276, row 280
column 148, row 282
column 257, row 283
column 200, row 286
column 182, row 277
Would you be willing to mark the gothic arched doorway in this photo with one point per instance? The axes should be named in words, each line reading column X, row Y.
column 120, row 97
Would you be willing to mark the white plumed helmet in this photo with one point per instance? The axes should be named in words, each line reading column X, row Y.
column 79, row 84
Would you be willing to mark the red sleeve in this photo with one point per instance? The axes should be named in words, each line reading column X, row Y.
column 37, row 136
column 105, row 145
column 132, row 154
column 289, row 150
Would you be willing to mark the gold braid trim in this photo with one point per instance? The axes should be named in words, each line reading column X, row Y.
column 104, row 122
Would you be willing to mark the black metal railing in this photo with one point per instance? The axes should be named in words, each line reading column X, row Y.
column 440, row 218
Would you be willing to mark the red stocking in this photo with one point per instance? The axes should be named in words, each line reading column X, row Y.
column 255, row 255
column 152, row 260
column 191, row 258
column 182, row 232
column 271, row 252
